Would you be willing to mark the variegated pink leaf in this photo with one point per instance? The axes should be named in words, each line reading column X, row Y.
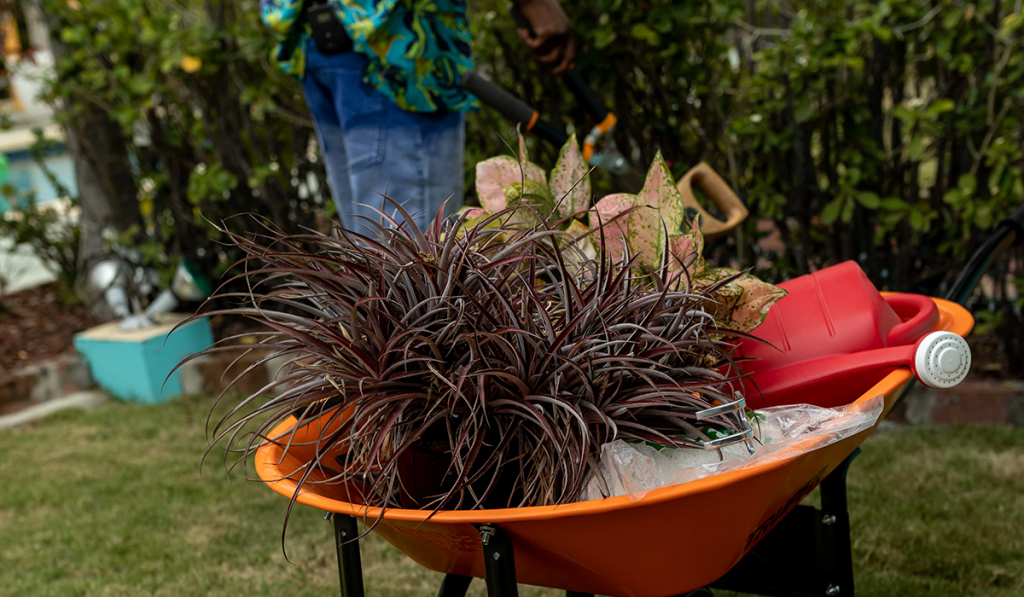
column 532, row 171
column 687, row 250
column 661, row 193
column 570, row 181
column 615, row 233
column 646, row 233
column 535, row 173
column 492, row 176
column 745, row 301
column 646, row 236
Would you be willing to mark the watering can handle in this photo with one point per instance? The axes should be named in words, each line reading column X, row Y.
column 919, row 315
column 703, row 177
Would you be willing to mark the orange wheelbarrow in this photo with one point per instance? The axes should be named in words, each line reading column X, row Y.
column 751, row 536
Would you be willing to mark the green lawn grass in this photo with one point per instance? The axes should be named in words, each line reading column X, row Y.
column 110, row 502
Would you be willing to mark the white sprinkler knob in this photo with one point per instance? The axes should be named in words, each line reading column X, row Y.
column 942, row 360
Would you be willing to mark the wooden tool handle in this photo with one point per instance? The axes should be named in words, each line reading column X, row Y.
column 711, row 184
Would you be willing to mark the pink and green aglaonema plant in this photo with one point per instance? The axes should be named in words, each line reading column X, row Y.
column 650, row 225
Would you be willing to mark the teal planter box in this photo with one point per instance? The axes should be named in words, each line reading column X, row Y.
column 133, row 365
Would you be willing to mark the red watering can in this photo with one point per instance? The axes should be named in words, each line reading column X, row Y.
column 834, row 329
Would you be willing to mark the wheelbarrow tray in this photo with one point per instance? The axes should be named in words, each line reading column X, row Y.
column 673, row 540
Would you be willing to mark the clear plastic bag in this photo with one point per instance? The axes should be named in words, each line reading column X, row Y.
column 780, row 432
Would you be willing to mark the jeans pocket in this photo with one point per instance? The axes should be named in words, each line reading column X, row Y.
column 364, row 121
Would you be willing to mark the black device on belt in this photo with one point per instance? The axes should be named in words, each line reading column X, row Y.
column 328, row 33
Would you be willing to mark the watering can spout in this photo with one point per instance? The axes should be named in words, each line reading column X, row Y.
column 942, row 360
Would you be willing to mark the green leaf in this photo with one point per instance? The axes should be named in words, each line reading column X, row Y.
column 916, row 220
column 893, row 204
column 943, row 44
column 940, row 107
column 642, row 31
column 952, row 17
column 967, row 183
column 983, row 217
column 915, row 148
column 1011, row 23
column 904, row 113
column 531, row 193
column 855, row 63
column 868, row 199
column 830, row 213
column 603, row 38
column 848, row 206
column 803, row 111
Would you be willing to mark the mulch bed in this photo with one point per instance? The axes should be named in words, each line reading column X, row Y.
column 35, row 326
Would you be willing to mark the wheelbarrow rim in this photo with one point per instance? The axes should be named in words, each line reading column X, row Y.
column 953, row 318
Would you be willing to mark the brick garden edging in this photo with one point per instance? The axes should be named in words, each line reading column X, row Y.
column 58, row 377
column 976, row 401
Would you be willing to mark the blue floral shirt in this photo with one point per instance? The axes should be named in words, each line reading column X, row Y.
column 418, row 50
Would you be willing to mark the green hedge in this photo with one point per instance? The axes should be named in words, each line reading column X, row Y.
column 888, row 132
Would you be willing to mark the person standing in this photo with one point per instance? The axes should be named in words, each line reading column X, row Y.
column 382, row 79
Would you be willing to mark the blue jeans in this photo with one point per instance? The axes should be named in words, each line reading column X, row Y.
column 370, row 146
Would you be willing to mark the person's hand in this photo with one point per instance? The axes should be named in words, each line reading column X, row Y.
column 552, row 38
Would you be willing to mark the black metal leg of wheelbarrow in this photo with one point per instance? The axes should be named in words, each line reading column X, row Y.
column 499, row 568
column 499, row 562
column 807, row 554
column 835, row 531
column 350, row 567
column 454, row 585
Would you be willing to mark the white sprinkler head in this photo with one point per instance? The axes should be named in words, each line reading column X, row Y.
column 942, row 360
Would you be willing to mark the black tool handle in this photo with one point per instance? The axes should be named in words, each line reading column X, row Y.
column 512, row 107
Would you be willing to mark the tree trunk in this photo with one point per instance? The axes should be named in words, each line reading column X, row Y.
column 106, row 187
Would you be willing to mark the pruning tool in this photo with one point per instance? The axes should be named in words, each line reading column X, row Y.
column 600, row 151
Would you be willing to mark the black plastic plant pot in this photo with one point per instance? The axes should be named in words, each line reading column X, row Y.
column 425, row 471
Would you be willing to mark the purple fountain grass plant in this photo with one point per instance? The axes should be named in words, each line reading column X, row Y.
column 508, row 350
